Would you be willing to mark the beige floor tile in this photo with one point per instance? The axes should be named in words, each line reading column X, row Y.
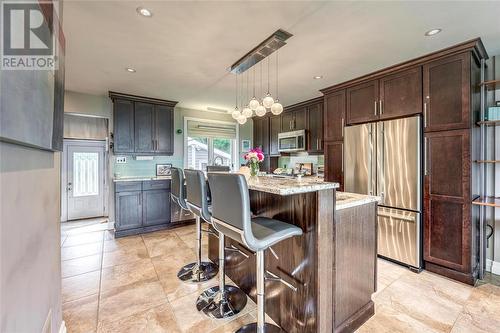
column 481, row 311
column 234, row 325
column 123, row 243
column 82, row 265
column 101, row 226
column 156, row 320
column 124, row 256
column 122, row 302
column 388, row 272
column 81, row 315
column 86, row 238
column 185, row 230
column 127, row 274
column 433, row 301
column 79, row 286
column 163, row 243
column 79, row 251
column 190, row 241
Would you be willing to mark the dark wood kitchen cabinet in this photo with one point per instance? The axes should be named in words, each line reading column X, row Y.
column 334, row 162
column 123, row 123
column 142, row 126
column 261, row 133
column 294, row 119
column 315, row 128
column 155, row 210
column 362, row 103
column 274, row 130
column 447, row 93
column 401, row 94
column 447, row 201
column 334, row 116
column 128, row 206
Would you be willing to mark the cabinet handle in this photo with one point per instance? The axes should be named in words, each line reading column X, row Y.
column 425, row 114
column 375, row 112
column 426, row 172
column 342, row 160
column 343, row 125
column 380, row 110
column 290, row 125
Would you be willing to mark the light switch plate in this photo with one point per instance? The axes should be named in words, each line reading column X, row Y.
column 121, row 159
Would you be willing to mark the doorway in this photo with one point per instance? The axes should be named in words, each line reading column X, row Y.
column 83, row 183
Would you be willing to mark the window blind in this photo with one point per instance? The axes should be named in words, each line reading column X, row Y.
column 210, row 130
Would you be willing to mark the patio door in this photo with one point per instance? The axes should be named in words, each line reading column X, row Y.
column 84, row 176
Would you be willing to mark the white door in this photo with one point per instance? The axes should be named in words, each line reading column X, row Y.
column 85, row 179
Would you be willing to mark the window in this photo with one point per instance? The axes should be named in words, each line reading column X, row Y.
column 85, row 174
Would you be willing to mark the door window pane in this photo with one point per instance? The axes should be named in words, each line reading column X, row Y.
column 85, row 174
column 222, row 151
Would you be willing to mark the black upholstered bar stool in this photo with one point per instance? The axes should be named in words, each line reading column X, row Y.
column 231, row 217
column 198, row 271
column 221, row 301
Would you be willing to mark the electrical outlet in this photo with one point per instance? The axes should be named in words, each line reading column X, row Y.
column 121, row 159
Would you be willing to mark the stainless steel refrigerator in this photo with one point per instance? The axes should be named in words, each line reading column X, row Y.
column 384, row 159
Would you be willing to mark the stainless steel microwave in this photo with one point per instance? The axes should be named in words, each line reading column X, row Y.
column 292, row 141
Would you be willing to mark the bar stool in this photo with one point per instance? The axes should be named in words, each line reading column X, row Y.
column 231, row 217
column 197, row 271
column 221, row 301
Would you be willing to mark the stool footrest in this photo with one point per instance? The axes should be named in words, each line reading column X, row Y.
column 233, row 248
column 273, row 277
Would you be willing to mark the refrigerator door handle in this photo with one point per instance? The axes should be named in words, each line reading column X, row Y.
column 425, row 157
column 375, row 112
column 397, row 217
column 370, row 161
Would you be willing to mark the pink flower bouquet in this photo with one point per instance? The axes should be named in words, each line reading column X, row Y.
column 253, row 158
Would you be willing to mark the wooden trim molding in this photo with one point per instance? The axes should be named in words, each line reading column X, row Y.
column 474, row 45
column 135, row 98
column 304, row 103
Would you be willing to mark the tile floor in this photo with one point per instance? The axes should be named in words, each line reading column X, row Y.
column 130, row 285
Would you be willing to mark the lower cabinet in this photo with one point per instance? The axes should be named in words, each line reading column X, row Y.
column 144, row 206
column 334, row 162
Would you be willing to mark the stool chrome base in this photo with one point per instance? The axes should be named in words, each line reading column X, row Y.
column 252, row 328
column 194, row 273
column 221, row 305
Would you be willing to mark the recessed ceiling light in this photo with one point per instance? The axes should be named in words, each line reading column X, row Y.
column 144, row 12
column 317, row 77
column 433, row 32
column 130, row 70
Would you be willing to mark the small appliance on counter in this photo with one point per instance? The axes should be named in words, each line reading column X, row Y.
column 304, row 169
column 321, row 171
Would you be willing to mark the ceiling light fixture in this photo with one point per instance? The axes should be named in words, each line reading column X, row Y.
column 144, row 12
column 433, row 32
column 130, row 70
column 317, row 77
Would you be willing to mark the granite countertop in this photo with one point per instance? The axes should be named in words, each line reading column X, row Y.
column 139, row 178
column 347, row 200
column 289, row 186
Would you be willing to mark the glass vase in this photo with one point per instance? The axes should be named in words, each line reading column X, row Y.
column 254, row 169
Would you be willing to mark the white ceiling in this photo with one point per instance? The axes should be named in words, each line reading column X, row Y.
column 182, row 53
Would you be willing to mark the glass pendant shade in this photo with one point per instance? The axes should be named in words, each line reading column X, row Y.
column 276, row 108
column 235, row 114
column 241, row 119
column 268, row 101
column 254, row 104
column 247, row 112
column 261, row 111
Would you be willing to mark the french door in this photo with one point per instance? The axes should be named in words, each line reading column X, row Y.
column 83, row 179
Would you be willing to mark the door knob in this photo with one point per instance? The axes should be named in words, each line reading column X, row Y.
column 69, row 188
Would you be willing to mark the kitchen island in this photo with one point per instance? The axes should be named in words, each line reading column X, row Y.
column 329, row 271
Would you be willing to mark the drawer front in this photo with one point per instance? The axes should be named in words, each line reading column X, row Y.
column 128, row 186
column 156, row 185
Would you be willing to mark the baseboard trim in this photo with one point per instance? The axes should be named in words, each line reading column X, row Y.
column 495, row 267
column 62, row 328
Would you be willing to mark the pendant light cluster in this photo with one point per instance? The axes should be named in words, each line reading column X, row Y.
column 255, row 105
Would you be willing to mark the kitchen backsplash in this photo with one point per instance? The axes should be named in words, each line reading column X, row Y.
column 146, row 168
column 290, row 161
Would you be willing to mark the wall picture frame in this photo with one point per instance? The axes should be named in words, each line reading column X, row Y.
column 163, row 169
column 245, row 145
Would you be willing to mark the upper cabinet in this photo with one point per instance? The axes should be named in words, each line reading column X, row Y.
column 315, row 126
column 392, row 96
column 294, row 119
column 334, row 116
column 447, row 93
column 362, row 102
column 274, row 130
column 142, row 125
column 261, row 133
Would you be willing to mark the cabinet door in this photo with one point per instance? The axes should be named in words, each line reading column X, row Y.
column 300, row 119
column 274, row 129
column 144, row 130
column 315, row 128
column 287, row 119
column 362, row 102
column 128, row 208
column 123, row 132
column 447, row 93
column 156, row 207
column 447, row 201
column 334, row 163
column 164, row 129
column 261, row 133
column 334, row 118
column 401, row 94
